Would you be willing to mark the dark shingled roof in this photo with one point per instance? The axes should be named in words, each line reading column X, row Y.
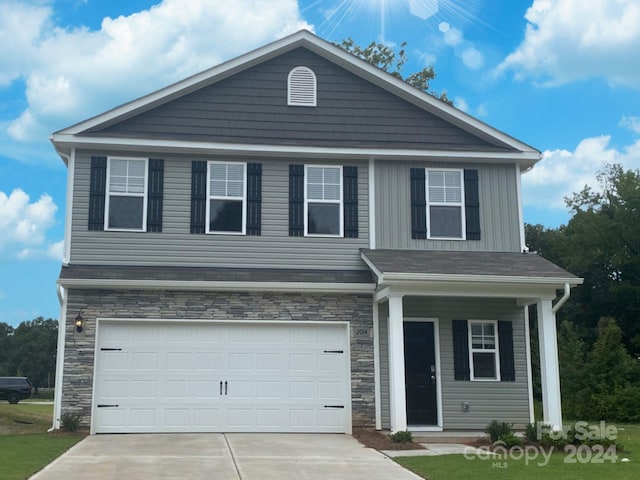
column 503, row 264
column 204, row 274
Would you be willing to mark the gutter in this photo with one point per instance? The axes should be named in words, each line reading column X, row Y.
column 563, row 299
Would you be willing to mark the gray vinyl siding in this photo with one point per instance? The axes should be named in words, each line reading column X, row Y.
column 176, row 246
column 251, row 107
column 505, row 401
column 499, row 219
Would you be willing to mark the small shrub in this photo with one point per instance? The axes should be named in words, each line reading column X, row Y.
column 510, row 440
column 70, row 421
column 401, row 437
column 531, row 432
column 497, row 429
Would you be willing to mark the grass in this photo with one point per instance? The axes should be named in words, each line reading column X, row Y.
column 25, row 447
column 457, row 467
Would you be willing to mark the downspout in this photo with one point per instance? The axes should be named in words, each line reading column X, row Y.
column 57, row 396
column 563, row 299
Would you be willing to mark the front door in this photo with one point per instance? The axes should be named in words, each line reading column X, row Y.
column 420, row 373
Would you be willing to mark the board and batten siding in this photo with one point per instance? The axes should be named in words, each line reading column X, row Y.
column 504, row 401
column 176, row 246
column 499, row 219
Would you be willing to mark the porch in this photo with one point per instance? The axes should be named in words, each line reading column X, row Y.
column 452, row 341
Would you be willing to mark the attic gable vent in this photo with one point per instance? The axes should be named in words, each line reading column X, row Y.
column 301, row 87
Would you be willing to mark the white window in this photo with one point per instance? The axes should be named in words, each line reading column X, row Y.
column 301, row 87
column 323, row 201
column 226, row 194
column 445, row 207
column 483, row 350
column 126, row 205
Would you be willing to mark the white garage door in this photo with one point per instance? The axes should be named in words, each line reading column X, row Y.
column 221, row 377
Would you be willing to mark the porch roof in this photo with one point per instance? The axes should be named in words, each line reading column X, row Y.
column 494, row 272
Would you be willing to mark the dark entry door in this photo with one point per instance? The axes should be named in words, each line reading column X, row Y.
column 420, row 373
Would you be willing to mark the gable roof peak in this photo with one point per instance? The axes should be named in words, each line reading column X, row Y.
column 333, row 53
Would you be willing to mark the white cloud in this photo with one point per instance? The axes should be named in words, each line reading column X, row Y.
column 24, row 226
column 71, row 74
column 568, row 40
column 561, row 173
column 632, row 123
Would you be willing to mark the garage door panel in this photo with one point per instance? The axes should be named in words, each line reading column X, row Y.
column 208, row 361
column 239, row 361
column 329, row 391
column 207, row 418
column 302, row 390
column 141, row 360
column 143, row 389
column 279, row 377
column 270, row 362
column 303, row 362
column 206, row 389
column 269, row 389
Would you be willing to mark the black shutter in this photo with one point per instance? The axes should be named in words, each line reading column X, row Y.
column 198, row 196
column 97, row 192
column 350, row 199
column 472, row 204
column 156, row 188
column 461, row 350
column 418, row 204
column 296, row 200
column 254, row 198
column 505, row 344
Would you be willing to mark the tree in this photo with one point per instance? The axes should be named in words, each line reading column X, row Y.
column 600, row 324
column 387, row 59
column 6, row 331
column 603, row 246
column 31, row 350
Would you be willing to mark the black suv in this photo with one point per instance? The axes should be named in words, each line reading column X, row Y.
column 15, row 389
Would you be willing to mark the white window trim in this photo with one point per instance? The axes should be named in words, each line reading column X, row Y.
column 144, row 196
column 340, row 203
column 496, row 351
column 460, row 204
column 219, row 197
column 314, row 94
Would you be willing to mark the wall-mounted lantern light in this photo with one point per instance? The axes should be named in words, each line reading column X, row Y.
column 79, row 323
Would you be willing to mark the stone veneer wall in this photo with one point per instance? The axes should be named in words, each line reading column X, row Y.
column 80, row 347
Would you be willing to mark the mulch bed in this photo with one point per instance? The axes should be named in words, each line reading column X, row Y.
column 381, row 441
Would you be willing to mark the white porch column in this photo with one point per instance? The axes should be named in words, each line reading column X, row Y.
column 549, row 369
column 397, row 397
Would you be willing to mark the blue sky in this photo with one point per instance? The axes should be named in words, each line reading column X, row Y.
column 560, row 75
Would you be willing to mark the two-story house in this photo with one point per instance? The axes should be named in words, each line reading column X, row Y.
column 297, row 241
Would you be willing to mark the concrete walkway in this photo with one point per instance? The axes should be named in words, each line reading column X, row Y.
column 435, row 449
column 235, row 456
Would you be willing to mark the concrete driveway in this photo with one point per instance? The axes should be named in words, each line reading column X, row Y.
column 236, row 456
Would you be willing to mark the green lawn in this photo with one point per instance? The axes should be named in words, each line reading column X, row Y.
column 25, row 447
column 454, row 467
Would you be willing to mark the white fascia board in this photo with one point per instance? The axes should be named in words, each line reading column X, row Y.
column 477, row 290
column 373, row 268
column 218, row 285
column 394, row 278
column 65, row 141
column 325, row 49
